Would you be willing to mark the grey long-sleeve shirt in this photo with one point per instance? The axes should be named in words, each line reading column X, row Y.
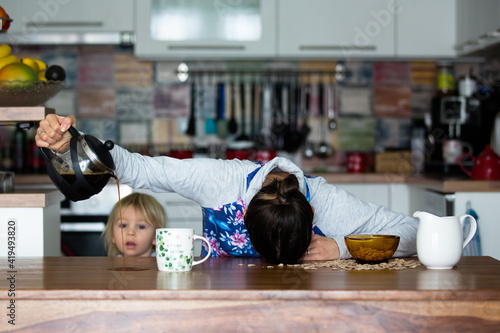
column 213, row 183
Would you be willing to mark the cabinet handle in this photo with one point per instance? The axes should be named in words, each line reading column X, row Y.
column 337, row 47
column 56, row 24
column 491, row 34
column 207, row 47
column 477, row 41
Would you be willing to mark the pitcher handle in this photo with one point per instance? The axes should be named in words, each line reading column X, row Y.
column 472, row 230
column 196, row 262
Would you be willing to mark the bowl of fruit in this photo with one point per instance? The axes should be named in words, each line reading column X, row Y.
column 26, row 81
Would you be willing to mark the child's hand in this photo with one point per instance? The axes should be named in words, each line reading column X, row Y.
column 52, row 132
column 322, row 248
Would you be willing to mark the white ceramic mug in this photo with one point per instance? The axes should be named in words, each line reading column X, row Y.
column 452, row 149
column 440, row 240
column 175, row 249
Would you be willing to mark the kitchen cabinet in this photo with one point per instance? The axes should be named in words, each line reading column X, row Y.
column 478, row 25
column 456, row 204
column 205, row 29
column 374, row 193
column 426, row 28
column 70, row 22
column 335, row 28
column 391, row 195
column 29, row 215
column 488, row 218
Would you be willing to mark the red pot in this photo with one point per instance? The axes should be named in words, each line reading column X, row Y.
column 357, row 162
column 181, row 154
column 264, row 156
column 241, row 154
column 485, row 167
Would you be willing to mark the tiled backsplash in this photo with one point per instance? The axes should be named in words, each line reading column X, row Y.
column 143, row 104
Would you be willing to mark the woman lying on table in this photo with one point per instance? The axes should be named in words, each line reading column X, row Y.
column 272, row 210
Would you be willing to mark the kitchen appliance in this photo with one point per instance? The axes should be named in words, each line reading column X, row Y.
column 455, row 118
column 486, row 165
column 81, row 167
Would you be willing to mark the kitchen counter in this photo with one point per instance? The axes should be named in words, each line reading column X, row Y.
column 229, row 294
column 34, row 214
column 31, row 197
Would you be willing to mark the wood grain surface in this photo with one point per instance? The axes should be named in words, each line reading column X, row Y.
column 31, row 113
column 31, row 198
column 225, row 294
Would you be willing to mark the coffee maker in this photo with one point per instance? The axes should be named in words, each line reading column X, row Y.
column 456, row 122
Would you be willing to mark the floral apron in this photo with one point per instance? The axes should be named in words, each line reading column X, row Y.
column 225, row 229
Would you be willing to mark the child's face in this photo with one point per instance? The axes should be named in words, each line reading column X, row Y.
column 139, row 235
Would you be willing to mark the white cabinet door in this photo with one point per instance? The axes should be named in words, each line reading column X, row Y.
column 335, row 28
column 375, row 193
column 485, row 204
column 478, row 24
column 193, row 29
column 59, row 22
column 426, row 28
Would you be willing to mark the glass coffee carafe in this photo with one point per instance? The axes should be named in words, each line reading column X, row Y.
column 81, row 167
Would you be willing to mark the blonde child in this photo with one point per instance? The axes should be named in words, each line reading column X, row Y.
column 141, row 215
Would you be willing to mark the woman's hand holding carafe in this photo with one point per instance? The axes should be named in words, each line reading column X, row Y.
column 52, row 132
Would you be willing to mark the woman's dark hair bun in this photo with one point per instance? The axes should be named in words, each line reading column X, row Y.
column 288, row 185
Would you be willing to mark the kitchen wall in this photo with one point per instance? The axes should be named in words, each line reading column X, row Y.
column 143, row 105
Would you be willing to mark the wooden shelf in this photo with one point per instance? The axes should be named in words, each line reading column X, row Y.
column 29, row 113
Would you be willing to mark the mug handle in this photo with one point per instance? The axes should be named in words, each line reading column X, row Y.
column 196, row 262
column 473, row 228
column 460, row 162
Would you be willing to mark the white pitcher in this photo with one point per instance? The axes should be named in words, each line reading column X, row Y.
column 440, row 240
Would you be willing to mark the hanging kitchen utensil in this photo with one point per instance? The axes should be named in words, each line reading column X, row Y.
column 243, row 136
column 191, row 129
column 332, row 123
column 254, row 93
column 277, row 124
column 232, row 125
column 293, row 141
column 286, row 107
column 211, row 92
column 323, row 149
column 296, row 132
column 265, row 135
column 248, row 109
column 306, row 129
column 221, row 106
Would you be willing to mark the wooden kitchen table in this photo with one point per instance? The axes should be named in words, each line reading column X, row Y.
column 89, row 294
